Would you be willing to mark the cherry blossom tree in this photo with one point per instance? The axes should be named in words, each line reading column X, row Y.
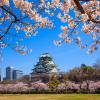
column 21, row 87
column 69, row 86
column 39, row 86
column 20, row 19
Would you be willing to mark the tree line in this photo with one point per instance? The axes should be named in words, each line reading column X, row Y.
column 83, row 79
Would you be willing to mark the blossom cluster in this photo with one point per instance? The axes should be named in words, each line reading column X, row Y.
column 26, row 7
column 75, row 86
column 40, row 14
column 40, row 86
column 4, row 2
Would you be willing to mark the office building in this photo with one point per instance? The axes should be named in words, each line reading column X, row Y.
column 9, row 73
column 17, row 74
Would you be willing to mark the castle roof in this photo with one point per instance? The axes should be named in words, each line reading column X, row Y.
column 45, row 65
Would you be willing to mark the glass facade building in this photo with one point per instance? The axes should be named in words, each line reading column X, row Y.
column 17, row 74
column 9, row 73
column 12, row 74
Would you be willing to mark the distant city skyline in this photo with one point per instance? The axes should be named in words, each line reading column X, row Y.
column 11, row 74
column 28, row 68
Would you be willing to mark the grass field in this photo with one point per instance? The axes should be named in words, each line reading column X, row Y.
column 51, row 97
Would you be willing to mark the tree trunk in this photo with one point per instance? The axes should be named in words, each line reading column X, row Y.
column 87, row 86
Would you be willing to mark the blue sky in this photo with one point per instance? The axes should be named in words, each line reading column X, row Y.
column 65, row 56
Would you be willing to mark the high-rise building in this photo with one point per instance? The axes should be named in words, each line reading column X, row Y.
column 17, row 74
column 9, row 73
column 12, row 74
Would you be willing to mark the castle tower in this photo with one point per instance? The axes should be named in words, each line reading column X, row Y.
column 45, row 67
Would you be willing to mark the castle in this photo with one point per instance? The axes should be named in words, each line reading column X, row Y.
column 44, row 68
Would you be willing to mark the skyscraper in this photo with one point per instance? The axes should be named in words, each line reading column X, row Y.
column 17, row 74
column 13, row 74
column 9, row 73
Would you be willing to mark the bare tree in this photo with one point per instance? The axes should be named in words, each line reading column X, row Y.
column 97, row 64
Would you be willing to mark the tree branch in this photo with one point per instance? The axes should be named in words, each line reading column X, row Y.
column 11, row 13
column 6, row 30
column 83, row 12
column 15, row 20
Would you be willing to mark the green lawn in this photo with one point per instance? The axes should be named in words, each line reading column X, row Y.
column 51, row 97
